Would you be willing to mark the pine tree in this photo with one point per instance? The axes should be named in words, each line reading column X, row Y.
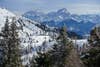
column 95, row 37
column 4, row 44
column 61, row 50
column 93, row 57
column 12, row 52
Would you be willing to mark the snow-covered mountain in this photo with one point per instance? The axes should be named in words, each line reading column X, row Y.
column 61, row 15
column 31, row 34
column 35, row 15
column 94, row 18
column 81, row 24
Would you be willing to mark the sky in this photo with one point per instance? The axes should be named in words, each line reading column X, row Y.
column 73, row 6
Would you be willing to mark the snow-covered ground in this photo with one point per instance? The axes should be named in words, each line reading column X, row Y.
column 80, row 42
column 37, row 41
column 81, row 45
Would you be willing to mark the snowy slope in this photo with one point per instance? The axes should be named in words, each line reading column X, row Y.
column 3, row 15
column 30, row 35
column 31, row 38
column 28, row 27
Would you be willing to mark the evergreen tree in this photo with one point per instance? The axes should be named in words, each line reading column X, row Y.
column 14, row 44
column 93, row 57
column 61, row 50
column 11, row 39
column 4, row 44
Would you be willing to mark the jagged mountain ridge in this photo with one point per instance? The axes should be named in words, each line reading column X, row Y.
column 60, row 15
column 41, row 17
column 58, row 18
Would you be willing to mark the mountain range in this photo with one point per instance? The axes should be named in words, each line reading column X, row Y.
column 80, row 24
